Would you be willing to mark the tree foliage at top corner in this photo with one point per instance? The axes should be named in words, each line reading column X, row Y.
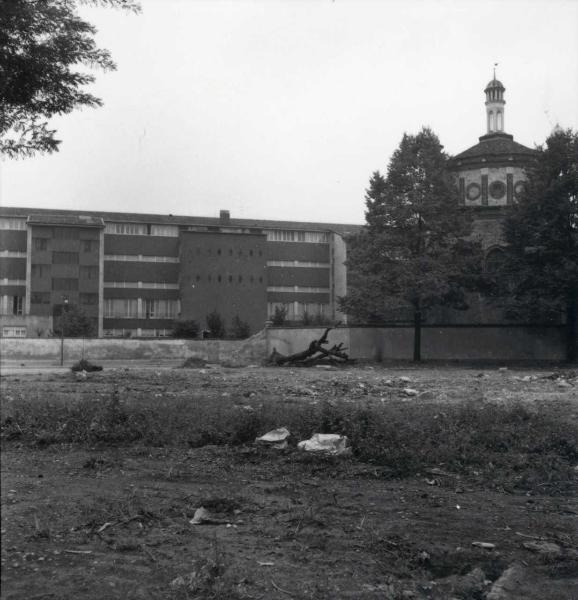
column 46, row 50
column 541, row 231
column 414, row 252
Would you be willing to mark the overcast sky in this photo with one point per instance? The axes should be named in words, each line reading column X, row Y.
column 282, row 110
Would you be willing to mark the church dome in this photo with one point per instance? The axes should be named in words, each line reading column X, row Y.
column 494, row 84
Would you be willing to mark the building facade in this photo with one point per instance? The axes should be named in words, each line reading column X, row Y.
column 135, row 274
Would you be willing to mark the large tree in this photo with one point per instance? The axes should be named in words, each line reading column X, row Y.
column 541, row 231
column 44, row 45
column 413, row 253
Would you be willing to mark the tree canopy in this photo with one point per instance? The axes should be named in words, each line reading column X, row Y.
column 413, row 253
column 42, row 45
column 541, row 230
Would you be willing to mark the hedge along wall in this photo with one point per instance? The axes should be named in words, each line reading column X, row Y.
column 496, row 342
column 251, row 350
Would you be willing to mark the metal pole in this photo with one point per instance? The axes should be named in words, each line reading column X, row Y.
column 62, row 315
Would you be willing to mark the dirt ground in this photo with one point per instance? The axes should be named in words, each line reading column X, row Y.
column 106, row 522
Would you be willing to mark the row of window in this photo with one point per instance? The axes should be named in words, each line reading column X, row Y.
column 14, row 332
column 12, row 254
column 84, row 272
column 286, row 235
column 140, row 308
column 295, row 311
column 141, row 229
column 41, row 244
column 298, row 288
column 7, row 281
column 45, row 298
column 145, row 285
column 137, row 332
column 297, row 263
column 231, row 252
column 141, row 258
column 11, row 223
column 229, row 278
column 11, row 305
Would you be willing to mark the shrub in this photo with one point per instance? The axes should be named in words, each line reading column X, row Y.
column 188, row 329
column 279, row 316
column 215, row 325
column 240, row 329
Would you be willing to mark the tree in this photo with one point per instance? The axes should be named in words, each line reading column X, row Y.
column 413, row 253
column 74, row 320
column 541, row 231
column 42, row 44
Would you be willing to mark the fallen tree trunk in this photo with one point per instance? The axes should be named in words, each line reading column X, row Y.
column 315, row 354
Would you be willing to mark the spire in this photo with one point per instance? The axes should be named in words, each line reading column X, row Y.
column 495, row 105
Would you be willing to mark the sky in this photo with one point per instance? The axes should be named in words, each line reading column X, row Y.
column 283, row 109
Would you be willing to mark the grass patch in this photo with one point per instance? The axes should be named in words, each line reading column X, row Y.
column 515, row 445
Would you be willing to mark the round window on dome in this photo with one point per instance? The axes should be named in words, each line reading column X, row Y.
column 497, row 190
column 473, row 191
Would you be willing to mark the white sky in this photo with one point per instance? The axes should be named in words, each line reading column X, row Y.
column 282, row 110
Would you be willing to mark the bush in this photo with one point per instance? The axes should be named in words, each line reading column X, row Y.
column 188, row 329
column 279, row 316
column 215, row 325
column 240, row 329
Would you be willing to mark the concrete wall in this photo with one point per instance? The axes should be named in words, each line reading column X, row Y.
column 438, row 343
column 241, row 352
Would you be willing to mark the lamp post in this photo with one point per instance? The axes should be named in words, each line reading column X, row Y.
column 62, row 315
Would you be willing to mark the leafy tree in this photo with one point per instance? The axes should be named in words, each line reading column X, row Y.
column 215, row 325
column 188, row 329
column 240, row 329
column 413, row 253
column 42, row 44
column 74, row 320
column 541, row 231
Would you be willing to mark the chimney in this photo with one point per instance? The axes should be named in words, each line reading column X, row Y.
column 224, row 217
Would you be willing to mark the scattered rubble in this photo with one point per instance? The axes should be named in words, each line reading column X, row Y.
column 276, row 439
column 326, row 443
column 85, row 365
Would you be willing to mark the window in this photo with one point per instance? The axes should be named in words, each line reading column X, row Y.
column 64, row 283
column 250, row 252
column 11, row 305
column 240, row 278
column 230, row 279
column 89, row 299
column 40, row 298
column 126, row 228
column 89, row 245
column 65, row 233
column 17, row 332
column 165, row 230
column 219, row 251
column 121, row 308
column 18, row 224
column 40, row 271
column 230, row 251
column 89, row 272
column 39, row 243
column 65, row 258
column 219, row 278
column 159, row 308
column 284, row 235
column 198, row 278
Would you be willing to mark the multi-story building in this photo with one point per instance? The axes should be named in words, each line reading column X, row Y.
column 135, row 274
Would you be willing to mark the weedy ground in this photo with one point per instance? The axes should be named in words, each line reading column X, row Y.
column 102, row 476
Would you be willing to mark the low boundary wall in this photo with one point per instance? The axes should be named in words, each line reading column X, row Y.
column 485, row 343
column 241, row 352
column 469, row 342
